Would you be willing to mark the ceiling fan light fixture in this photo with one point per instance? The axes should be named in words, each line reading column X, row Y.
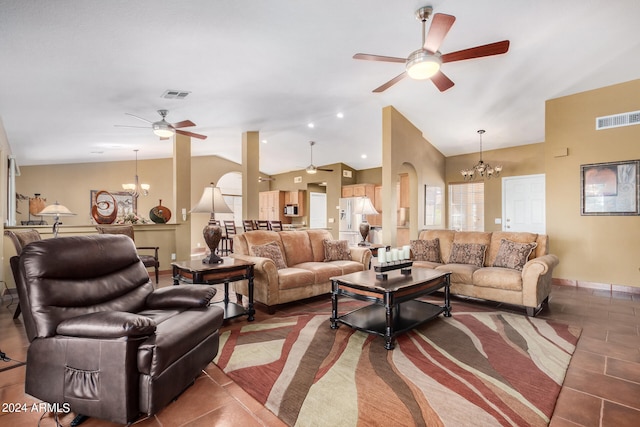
column 311, row 170
column 163, row 129
column 422, row 65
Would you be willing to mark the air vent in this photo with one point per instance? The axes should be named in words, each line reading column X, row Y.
column 618, row 120
column 175, row 94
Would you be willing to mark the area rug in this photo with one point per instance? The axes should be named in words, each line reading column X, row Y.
column 477, row 368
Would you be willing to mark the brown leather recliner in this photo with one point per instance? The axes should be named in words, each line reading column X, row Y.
column 102, row 340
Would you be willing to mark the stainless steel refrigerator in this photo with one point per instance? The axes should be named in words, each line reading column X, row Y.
column 349, row 220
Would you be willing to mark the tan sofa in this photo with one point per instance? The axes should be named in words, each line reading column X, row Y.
column 529, row 288
column 306, row 273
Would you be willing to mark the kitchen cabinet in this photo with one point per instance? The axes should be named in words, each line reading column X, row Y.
column 358, row 190
column 271, row 206
column 403, row 193
column 376, row 220
column 297, row 199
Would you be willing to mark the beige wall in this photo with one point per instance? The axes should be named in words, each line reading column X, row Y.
column 602, row 249
column 405, row 150
column 517, row 161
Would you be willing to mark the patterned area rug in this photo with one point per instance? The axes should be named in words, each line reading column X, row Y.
column 477, row 368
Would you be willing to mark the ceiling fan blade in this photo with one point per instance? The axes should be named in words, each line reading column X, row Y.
column 438, row 31
column 368, row 57
column 183, row 124
column 390, row 83
column 139, row 118
column 490, row 49
column 194, row 135
column 324, row 170
column 441, row 81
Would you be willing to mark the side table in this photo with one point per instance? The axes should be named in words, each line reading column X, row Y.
column 231, row 270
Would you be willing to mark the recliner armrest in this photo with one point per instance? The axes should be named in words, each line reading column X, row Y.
column 181, row 296
column 107, row 324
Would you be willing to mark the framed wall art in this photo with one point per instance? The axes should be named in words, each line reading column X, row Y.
column 610, row 188
column 102, row 204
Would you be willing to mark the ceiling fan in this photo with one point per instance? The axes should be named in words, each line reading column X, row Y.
column 425, row 62
column 311, row 168
column 164, row 129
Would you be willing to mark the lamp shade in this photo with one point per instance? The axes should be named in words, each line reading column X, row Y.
column 211, row 202
column 365, row 207
column 56, row 210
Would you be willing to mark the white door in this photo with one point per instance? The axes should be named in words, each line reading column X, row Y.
column 317, row 210
column 523, row 203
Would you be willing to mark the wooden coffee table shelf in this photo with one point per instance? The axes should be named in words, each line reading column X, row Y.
column 394, row 309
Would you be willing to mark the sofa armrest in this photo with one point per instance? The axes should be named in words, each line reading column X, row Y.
column 183, row 296
column 107, row 324
column 536, row 279
column 266, row 283
column 361, row 254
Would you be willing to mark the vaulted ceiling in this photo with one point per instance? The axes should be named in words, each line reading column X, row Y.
column 70, row 70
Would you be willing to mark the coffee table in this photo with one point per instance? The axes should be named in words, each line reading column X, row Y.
column 394, row 309
column 230, row 270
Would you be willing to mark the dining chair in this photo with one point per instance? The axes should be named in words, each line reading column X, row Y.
column 275, row 225
column 248, row 224
column 262, row 224
column 227, row 239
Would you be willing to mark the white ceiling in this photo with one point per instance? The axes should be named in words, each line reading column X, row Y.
column 70, row 70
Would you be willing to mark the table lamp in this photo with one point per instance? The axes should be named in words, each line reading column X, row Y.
column 57, row 210
column 364, row 208
column 212, row 202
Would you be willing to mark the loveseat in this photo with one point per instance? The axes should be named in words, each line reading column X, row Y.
column 294, row 265
column 103, row 342
column 509, row 267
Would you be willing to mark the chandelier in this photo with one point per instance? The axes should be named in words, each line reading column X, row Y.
column 481, row 169
column 135, row 188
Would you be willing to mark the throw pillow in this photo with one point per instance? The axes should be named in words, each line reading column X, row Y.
column 271, row 251
column 336, row 250
column 513, row 254
column 468, row 253
column 426, row 250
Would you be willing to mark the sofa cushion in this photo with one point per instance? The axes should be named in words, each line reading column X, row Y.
column 426, row 264
column 271, row 251
column 426, row 250
column 460, row 273
column 336, row 250
column 317, row 238
column 322, row 271
column 347, row 266
column 290, row 278
column 445, row 238
column 498, row 278
column 297, row 247
column 513, row 254
column 496, row 240
column 468, row 253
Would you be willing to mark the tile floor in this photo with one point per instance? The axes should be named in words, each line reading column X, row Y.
column 602, row 386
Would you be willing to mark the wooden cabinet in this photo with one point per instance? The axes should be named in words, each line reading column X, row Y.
column 358, row 190
column 403, row 191
column 272, row 206
column 376, row 220
column 295, row 198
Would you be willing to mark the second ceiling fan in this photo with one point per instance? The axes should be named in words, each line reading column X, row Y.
column 164, row 129
column 311, row 169
column 425, row 62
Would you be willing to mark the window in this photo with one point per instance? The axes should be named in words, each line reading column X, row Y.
column 466, row 206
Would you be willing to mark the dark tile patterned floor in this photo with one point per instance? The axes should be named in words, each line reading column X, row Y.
column 602, row 385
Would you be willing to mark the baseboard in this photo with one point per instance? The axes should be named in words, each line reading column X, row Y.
column 608, row 287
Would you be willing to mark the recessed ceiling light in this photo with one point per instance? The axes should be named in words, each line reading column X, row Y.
column 264, row 141
column 364, row 156
column 311, row 125
column 340, row 115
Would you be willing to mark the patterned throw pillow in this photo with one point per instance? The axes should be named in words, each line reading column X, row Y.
column 336, row 250
column 426, row 250
column 513, row 254
column 272, row 251
column 468, row 253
